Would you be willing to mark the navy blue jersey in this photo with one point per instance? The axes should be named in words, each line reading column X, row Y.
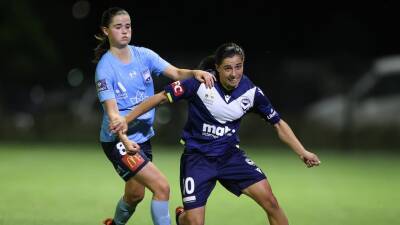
column 214, row 114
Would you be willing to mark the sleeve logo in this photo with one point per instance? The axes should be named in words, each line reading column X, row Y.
column 178, row 89
column 260, row 91
column 101, row 85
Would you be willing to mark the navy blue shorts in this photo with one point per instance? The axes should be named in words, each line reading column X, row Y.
column 199, row 174
column 127, row 165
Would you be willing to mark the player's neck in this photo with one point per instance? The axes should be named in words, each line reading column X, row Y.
column 225, row 89
column 123, row 54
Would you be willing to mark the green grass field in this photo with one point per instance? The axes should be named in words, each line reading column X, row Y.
column 76, row 185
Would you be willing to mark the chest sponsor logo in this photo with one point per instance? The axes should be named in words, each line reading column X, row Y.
column 121, row 92
column 138, row 97
column 217, row 131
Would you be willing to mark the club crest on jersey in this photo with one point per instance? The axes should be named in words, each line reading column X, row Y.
column 147, row 76
column 101, row 85
column 177, row 88
column 245, row 103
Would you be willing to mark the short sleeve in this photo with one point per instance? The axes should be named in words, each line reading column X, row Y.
column 156, row 64
column 263, row 107
column 104, row 83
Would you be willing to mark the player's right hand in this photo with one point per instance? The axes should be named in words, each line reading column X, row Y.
column 117, row 124
column 310, row 159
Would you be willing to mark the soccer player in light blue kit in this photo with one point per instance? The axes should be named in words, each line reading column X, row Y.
column 123, row 80
column 211, row 140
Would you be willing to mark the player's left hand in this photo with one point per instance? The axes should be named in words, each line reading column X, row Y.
column 118, row 124
column 205, row 77
column 310, row 159
column 131, row 147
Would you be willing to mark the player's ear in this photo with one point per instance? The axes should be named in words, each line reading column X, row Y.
column 105, row 30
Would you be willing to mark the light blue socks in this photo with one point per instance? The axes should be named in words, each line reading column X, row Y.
column 160, row 212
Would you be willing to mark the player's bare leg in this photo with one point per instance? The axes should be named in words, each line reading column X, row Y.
column 261, row 192
column 151, row 177
column 134, row 192
column 192, row 217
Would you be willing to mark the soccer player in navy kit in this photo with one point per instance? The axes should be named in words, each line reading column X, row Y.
column 211, row 142
column 123, row 80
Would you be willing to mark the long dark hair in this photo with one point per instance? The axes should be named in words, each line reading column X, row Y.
column 223, row 51
column 103, row 43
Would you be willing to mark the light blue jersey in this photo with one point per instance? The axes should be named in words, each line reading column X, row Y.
column 129, row 84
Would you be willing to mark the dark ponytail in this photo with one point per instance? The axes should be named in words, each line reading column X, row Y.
column 101, row 47
column 103, row 43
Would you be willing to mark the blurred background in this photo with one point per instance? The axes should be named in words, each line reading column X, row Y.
column 332, row 71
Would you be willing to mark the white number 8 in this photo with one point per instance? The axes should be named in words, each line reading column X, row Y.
column 188, row 184
column 121, row 148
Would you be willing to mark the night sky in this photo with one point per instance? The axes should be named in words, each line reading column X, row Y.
column 43, row 41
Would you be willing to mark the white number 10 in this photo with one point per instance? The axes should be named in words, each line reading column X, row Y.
column 188, row 184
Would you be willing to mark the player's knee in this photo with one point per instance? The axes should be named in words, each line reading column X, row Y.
column 162, row 191
column 134, row 198
column 271, row 203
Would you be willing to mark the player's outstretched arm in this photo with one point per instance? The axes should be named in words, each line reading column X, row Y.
column 146, row 106
column 180, row 74
column 286, row 134
column 121, row 123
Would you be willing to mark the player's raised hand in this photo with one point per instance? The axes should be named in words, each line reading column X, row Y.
column 310, row 159
column 117, row 124
column 205, row 77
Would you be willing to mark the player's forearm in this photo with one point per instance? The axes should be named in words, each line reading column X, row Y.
column 183, row 74
column 146, row 106
column 286, row 135
column 123, row 137
column 177, row 73
column 111, row 108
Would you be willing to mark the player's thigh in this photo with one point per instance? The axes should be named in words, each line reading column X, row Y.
column 126, row 165
column 198, row 178
column 134, row 191
column 238, row 172
column 261, row 192
column 151, row 177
